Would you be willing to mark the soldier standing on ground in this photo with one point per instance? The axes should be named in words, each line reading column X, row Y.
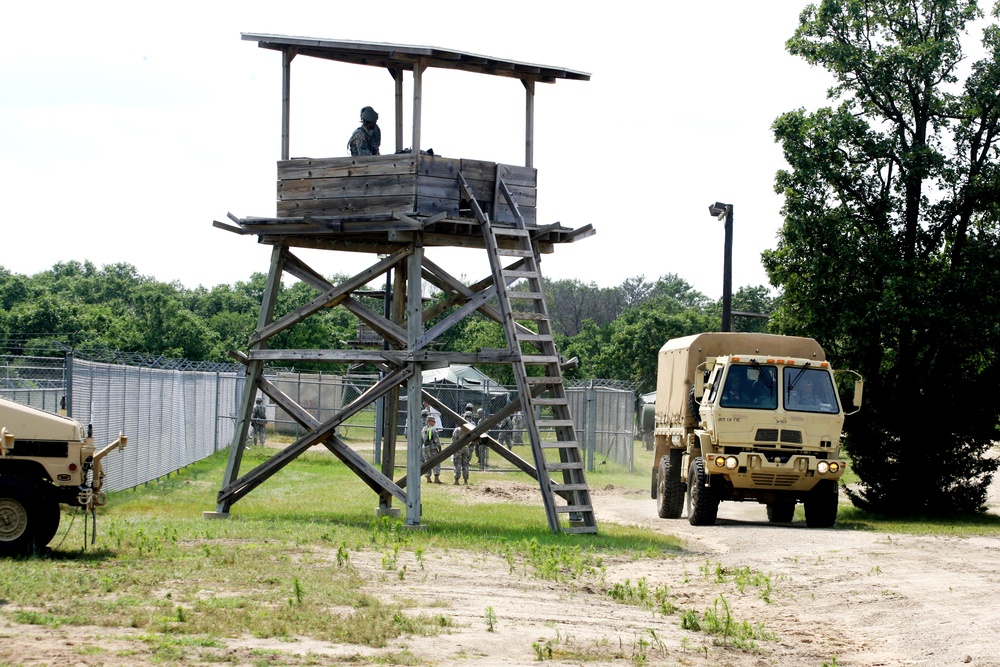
column 517, row 423
column 368, row 137
column 258, row 419
column 462, row 457
column 482, row 449
column 431, row 447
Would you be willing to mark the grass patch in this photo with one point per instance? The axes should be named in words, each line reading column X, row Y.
column 281, row 566
column 969, row 525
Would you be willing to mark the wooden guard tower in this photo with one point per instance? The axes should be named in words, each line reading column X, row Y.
column 396, row 207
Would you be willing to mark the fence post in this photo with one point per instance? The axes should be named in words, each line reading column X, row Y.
column 68, row 383
column 591, row 425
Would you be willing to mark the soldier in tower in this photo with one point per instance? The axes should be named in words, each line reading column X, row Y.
column 368, row 137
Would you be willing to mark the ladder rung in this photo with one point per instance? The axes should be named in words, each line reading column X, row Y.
column 535, row 296
column 533, row 337
column 555, row 423
column 561, row 444
column 580, row 529
column 556, row 488
column 525, row 315
column 515, row 252
column 519, row 273
column 572, row 465
column 539, row 359
column 549, row 401
column 574, row 508
column 510, row 231
column 544, row 379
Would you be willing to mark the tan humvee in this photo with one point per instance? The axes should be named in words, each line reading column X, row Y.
column 45, row 460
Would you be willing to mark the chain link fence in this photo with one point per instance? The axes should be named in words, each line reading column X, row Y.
column 175, row 414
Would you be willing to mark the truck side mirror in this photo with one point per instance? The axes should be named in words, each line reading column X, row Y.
column 859, row 390
column 699, row 384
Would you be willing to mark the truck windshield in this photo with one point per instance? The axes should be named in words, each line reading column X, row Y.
column 754, row 387
column 809, row 390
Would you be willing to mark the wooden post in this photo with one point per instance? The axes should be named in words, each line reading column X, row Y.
column 418, row 92
column 414, row 425
column 286, row 99
column 397, row 76
column 254, row 371
column 529, row 122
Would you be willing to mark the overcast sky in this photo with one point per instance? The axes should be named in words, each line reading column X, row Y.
column 125, row 130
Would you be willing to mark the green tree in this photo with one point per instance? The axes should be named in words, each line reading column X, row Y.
column 889, row 253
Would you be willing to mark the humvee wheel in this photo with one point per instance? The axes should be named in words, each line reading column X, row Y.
column 703, row 506
column 821, row 505
column 670, row 489
column 28, row 519
column 780, row 512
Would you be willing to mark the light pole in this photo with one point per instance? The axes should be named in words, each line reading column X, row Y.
column 725, row 211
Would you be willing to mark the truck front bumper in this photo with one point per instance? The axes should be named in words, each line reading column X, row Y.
column 753, row 470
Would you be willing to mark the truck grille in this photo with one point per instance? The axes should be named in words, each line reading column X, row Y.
column 40, row 448
column 772, row 480
column 791, row 436
column 766, row 435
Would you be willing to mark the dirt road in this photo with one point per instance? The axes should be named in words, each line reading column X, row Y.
column 815, row 597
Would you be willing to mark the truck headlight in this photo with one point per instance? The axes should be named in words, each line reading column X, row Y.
column 823, row 467
column 720, row 461
column 732, row 462
column 834, row 467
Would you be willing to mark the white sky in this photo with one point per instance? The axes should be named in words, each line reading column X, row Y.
column 125, row 129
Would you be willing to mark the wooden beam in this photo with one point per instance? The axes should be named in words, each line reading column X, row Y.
column 329, row 298
column 529, row 122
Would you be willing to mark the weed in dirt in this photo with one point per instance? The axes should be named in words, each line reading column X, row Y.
column 639, row 594
column 491, row 620
column 718, row 621
column 742, row 577
column 832, row 662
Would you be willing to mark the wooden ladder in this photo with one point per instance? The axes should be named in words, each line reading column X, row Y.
column 528, row 324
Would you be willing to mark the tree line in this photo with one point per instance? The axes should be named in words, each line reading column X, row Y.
column 614, row 332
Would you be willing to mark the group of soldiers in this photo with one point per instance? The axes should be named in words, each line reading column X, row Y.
column 511, row 433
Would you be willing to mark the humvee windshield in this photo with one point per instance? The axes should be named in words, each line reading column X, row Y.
column 753, row 386
column 809, row 390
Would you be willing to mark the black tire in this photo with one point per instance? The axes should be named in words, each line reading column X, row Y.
column 781, row 512
column 29, row 518
column 693, row 406
column 703, row 505
column 821, row 505
column 670, row 488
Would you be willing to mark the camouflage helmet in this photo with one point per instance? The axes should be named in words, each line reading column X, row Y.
column 468, row 414
column 369, row 115
column 424, row 413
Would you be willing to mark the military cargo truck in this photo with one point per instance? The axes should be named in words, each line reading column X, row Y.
column 748, row 417
column 45, row 460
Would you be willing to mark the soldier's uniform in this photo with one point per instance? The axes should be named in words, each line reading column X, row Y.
column 431, row 447
column 258, row 419
column 517, row 423
column 364, row 141
column 462, row 457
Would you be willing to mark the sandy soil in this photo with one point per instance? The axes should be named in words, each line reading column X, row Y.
column 837, row 598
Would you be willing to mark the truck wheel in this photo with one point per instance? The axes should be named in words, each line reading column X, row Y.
column 28, row 518
column 703, row 506
column 670, row 491
column 693, row 406
column 781, row 512
column 821, row 505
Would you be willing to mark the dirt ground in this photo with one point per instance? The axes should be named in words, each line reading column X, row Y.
column 836, row 597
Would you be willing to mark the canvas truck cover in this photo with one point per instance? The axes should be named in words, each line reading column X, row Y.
column 679, row 357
